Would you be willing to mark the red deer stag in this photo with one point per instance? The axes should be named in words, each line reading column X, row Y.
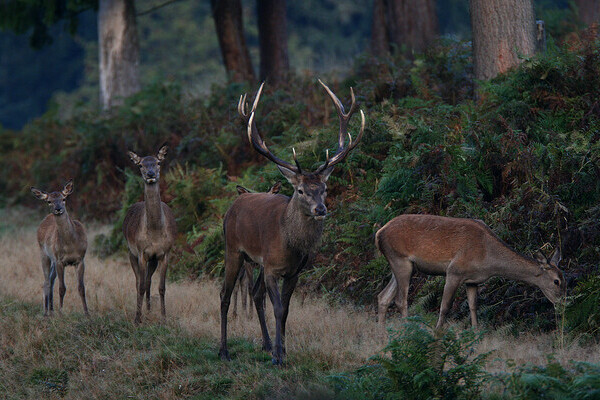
column 276, row 231
column 62, row 242
column 247, row 271
column 150, row 230
column 465, row 251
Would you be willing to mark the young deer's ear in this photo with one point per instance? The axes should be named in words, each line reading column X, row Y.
column 162, row 152
column 134, row 157
column 325, row 174
column 539, row 256
column 39, row 193
column 68, row 189
column 556, row 257
column 290, row 175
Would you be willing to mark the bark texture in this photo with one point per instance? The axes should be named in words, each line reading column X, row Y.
column 272, row 35
column 227, row 15
column 588, row 10
column 119, row 51
column 502, row 29
column 406, row 25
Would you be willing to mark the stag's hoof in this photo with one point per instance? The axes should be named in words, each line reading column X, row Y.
column 277, row 360
column 224, row 355
column 267, row 346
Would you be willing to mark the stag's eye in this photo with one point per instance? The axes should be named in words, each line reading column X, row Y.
column 557, row 282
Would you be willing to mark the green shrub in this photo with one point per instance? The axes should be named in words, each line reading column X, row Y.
column 583, row 313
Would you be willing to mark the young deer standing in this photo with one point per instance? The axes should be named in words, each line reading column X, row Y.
column 465, row 251
column 62, row 242
column 278, row 232
column 150, row 230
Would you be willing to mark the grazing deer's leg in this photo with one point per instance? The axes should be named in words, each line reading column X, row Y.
column 62, row 289
column 81, row 286
column 472, row 298
column 47, row 270
column 286, row 294
column 452, row 283
column 384, row 299
column 244, row 288
column 248, row 282
column 273, row 291
column 141, row 286
column 233, row 263
column 162, row 284
column 402, row 269
column 258, row 294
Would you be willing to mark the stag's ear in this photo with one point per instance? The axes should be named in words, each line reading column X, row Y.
column 556, row 257
column 275, row 188
column 241, row 189
column 39, row 193
column 539, row 256
column 325, row 174
column 68, row 189
column 162, row 152
column 290, row 175
column 134, row 157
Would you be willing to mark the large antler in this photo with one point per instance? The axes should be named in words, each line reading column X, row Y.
column 255, row 138
column 342, row 151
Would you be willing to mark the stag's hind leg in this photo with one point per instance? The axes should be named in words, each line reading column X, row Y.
column 286, row 294
column 81, row 286
column 233, row 263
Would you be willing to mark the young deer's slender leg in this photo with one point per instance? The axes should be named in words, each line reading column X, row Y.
column 152, row 265
column 162, row 267
column 52, row 279
column 47, row 270
column 452, row 283
column 141, row 287
column 258, row 294
column 62, row 288
column 233, row 263
column 81, row 286
column 472, row 298
column 273, row 291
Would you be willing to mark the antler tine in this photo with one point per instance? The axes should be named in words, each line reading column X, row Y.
column 242, row 106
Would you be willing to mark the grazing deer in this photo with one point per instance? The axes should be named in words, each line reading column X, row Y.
column 62, row 242
column 276, row 231
column 465, row 251
column 247, row 271
column 150, row 230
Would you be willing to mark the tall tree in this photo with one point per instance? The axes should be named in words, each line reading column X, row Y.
column 405, row 25
column 272, row 37
column 119, row 51
column 227, row 15
column 588, row 10
column 502, row 30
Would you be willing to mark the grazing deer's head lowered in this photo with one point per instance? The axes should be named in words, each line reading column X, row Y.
column 62, row 242
column 279, row 232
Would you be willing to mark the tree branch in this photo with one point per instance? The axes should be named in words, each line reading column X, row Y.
column 152, row 9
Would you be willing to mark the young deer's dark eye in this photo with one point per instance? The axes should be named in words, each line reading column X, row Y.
column 300, row 191
column 557, row 282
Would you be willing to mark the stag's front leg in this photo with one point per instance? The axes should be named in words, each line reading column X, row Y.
column 273, row 290
column 81, row 286
column 258, row 294
column 162, row 268
column 286, row 294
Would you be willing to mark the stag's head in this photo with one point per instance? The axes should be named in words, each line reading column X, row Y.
column 55, row 200
column 149, row 165
column 310, row 187
column 551, row 279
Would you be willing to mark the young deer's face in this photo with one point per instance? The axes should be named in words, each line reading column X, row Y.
column 55, row 200
column 552, row 283
column 149, row 165
column 310, row 191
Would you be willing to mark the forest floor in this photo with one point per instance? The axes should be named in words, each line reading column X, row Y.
column 106, row 356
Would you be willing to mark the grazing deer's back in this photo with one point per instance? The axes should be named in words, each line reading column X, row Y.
column 432, row 237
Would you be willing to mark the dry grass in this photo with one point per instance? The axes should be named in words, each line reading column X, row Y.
column 336, row 338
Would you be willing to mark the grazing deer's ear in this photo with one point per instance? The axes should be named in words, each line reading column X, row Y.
column 134, row 157
column 241, row 189
column 275, row 188
column 539, row 256
column 556, row 257
column 162, row 152
column 68, row 189
column 325, row 174
column 290, row 175
column 39, row 194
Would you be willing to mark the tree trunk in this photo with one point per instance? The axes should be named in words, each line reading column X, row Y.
column 227, row 15
column 403, row 25
column 272, row 36
column 588, row 10
column 119, row 51
column 502, row 30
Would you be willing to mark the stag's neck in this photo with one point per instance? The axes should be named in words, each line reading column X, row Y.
column 302, row 233
column 513, row 265
column 152, row 203
column 65, row 228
